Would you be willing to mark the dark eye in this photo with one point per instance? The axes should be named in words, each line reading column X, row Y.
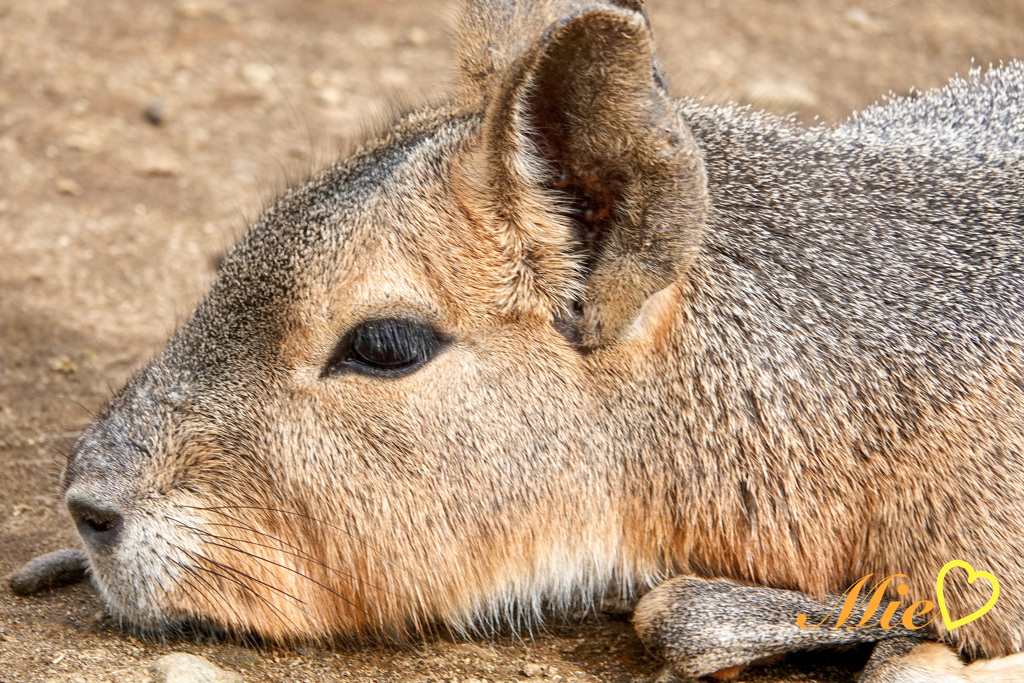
column 386, row 348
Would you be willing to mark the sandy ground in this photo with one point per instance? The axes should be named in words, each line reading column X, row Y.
column 109, row 223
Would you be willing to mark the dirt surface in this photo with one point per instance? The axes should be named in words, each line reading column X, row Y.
column 109, row 223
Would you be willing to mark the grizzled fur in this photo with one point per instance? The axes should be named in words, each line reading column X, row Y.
column 702, row 627
column 705, row 626
column 680, row 339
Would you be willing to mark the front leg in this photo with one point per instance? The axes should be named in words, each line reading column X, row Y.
column 704, row 627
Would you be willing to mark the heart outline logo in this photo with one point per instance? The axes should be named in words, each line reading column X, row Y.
column 972, row 574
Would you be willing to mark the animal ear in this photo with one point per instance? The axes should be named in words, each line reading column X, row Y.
column 587, row 155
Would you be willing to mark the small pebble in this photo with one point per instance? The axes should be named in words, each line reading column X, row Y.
column 858, row 17
column 532, row 670
column 158, row 164
column 63, row 365
column 194, row 10
column 181, row 667
column 258, row 76
column 84, row 142
column 49, row 571
column 155, row 113
column 69, row 187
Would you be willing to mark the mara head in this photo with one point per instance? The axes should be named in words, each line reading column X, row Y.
column 401, row 401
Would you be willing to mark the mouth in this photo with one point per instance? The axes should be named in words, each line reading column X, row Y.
column 139, row 563
column 172, row 568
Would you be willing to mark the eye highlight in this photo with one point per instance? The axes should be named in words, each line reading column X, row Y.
column 389, row 347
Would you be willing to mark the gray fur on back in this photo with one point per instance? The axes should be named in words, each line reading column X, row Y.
column 911, row 211
column 886, row 254
column 981, row 115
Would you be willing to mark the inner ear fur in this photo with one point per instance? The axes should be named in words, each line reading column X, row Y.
column 592, row 166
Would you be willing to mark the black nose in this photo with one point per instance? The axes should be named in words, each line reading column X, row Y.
column 100, row 526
